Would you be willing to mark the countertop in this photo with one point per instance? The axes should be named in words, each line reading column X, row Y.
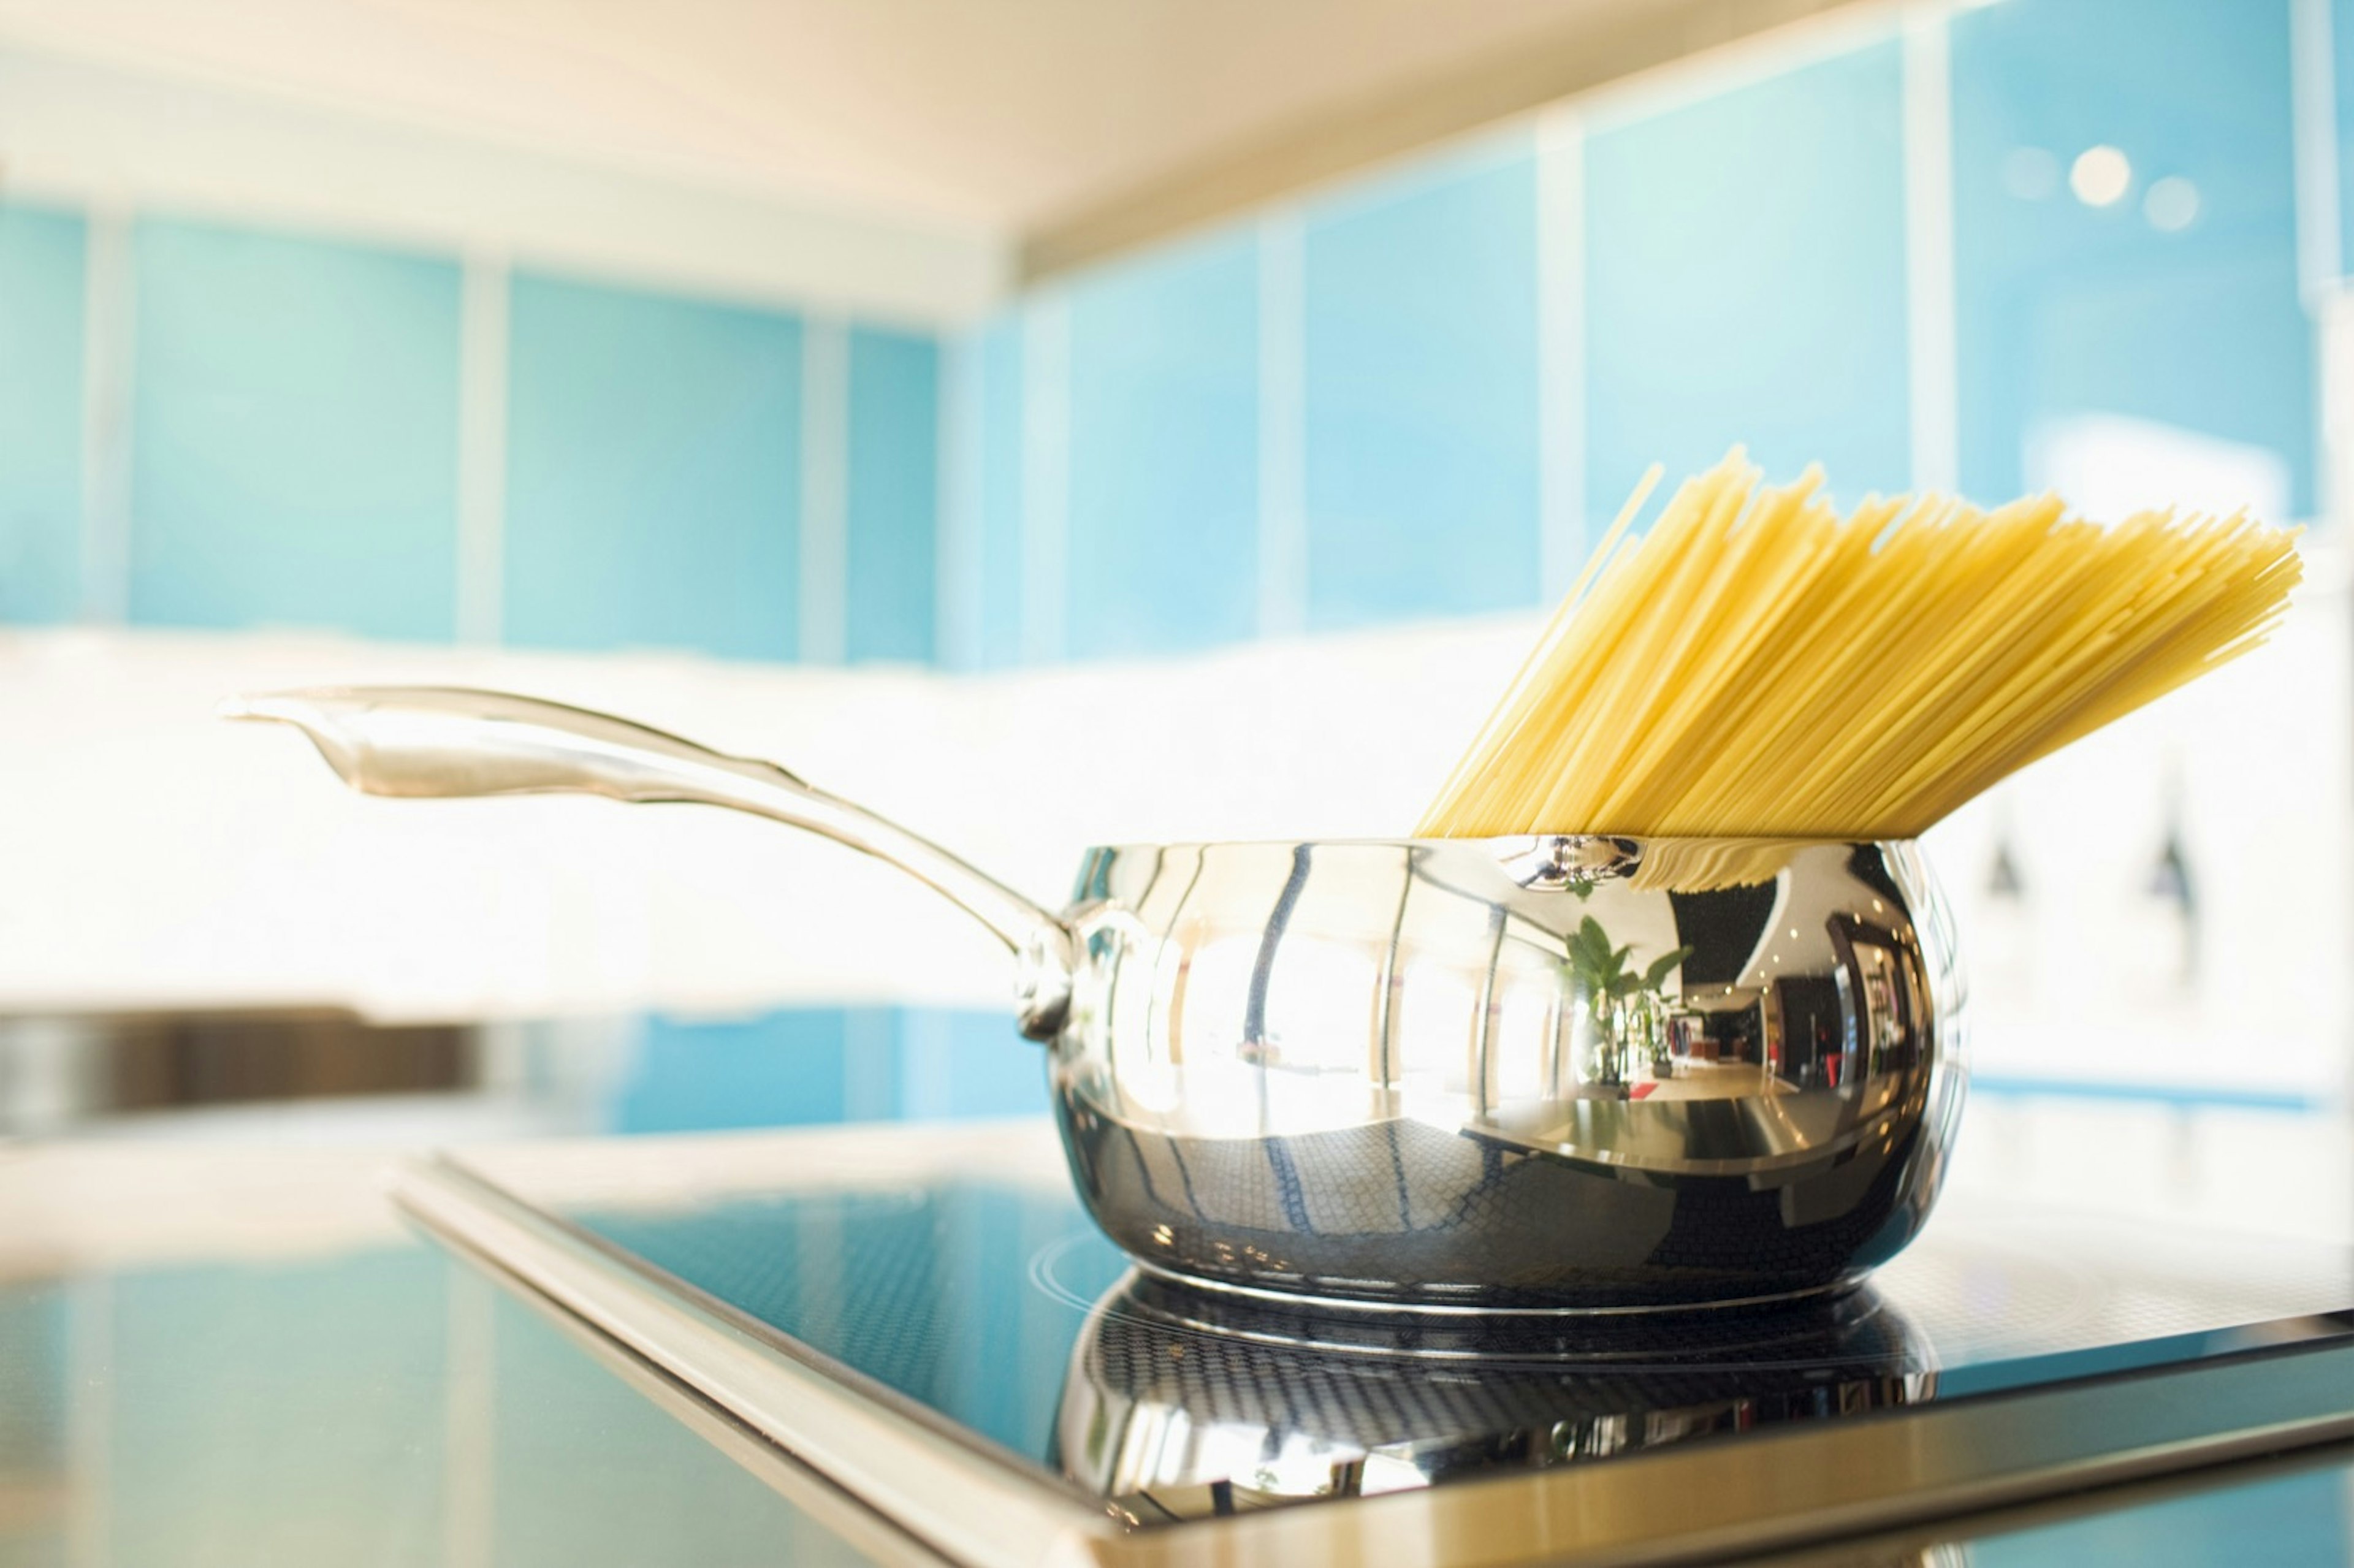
column 216, row 1356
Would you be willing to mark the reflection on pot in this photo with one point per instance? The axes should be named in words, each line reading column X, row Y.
column 1624, row 1001
column 1560, row 1074
column 1182, row 1402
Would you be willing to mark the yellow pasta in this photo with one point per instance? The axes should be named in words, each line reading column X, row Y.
column 1757, row 665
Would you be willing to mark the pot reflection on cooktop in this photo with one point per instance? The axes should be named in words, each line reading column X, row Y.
column 1181, row 1403
column 991, row 1310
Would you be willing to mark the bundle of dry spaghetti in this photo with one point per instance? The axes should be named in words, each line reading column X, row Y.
column 1758, row 665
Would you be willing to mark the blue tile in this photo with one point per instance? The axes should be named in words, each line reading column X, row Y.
column 2341, row 41
column 998, row 552
column 294, row 434
column 894, row 503
column 2068, row 310
column 812, row 1065
column 1745, row 284
column 653, row 473
column 1421, row 388
column 1164, row 547
column 957, row 1064
column 41, row 271
column 781, row 1069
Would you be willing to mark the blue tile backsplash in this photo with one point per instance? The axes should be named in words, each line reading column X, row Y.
column 42, row 265
column 997, row 505
column 2004, row 245
column 1348, row 430
column 777, row 1070
column 804, row 1066
column 1164, row 547
column 1420, row 312
column 294, row 448
column 2163, row 291
column 2339, row 73
column 653, row 473
column 1745, row 283
column 892, row 495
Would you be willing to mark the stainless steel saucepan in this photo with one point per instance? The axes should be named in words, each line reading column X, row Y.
column 1544, row 1074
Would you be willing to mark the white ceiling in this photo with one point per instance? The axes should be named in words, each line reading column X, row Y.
column 1001, row 113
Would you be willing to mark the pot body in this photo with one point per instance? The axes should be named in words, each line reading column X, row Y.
column 1546, row 1073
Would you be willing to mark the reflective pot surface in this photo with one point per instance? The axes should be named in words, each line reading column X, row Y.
column 1546, row 1073
column 1181, row 1403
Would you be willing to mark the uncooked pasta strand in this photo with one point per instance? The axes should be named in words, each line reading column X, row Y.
column 1532, row 670
column 1759, row 666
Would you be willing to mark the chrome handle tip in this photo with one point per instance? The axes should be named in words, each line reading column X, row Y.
column 261, row 707
column 303, row 707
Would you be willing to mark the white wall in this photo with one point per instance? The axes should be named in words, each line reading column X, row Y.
column 158, row 857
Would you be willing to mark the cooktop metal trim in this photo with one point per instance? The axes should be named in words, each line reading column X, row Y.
column 851, row 1519
column 948, row 1495
column 1709, row 1501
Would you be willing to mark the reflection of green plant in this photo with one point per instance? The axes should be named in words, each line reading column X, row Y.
column 1622, row 999
column 1602, row 968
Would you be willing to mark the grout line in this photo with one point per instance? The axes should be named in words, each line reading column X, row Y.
column 957, row 604
column 1282, row 424
column 1045, row 478
column 870, row 1053
column 825, row 520
column 1561, row 350
column 109, row 311
column 1932, row 345
column 928, row 1067
column 482, row 348
column 2320, row 245
column 2313, row 109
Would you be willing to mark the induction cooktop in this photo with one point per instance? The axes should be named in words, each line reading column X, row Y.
column 924, row 1319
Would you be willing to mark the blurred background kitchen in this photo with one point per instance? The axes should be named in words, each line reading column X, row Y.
column 1067, row 425
column 1054, row 424
column 1057, row 426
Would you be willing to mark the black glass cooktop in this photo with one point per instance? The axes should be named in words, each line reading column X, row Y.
column 981, row 1301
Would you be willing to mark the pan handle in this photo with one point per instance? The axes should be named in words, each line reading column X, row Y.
column 425, row 742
